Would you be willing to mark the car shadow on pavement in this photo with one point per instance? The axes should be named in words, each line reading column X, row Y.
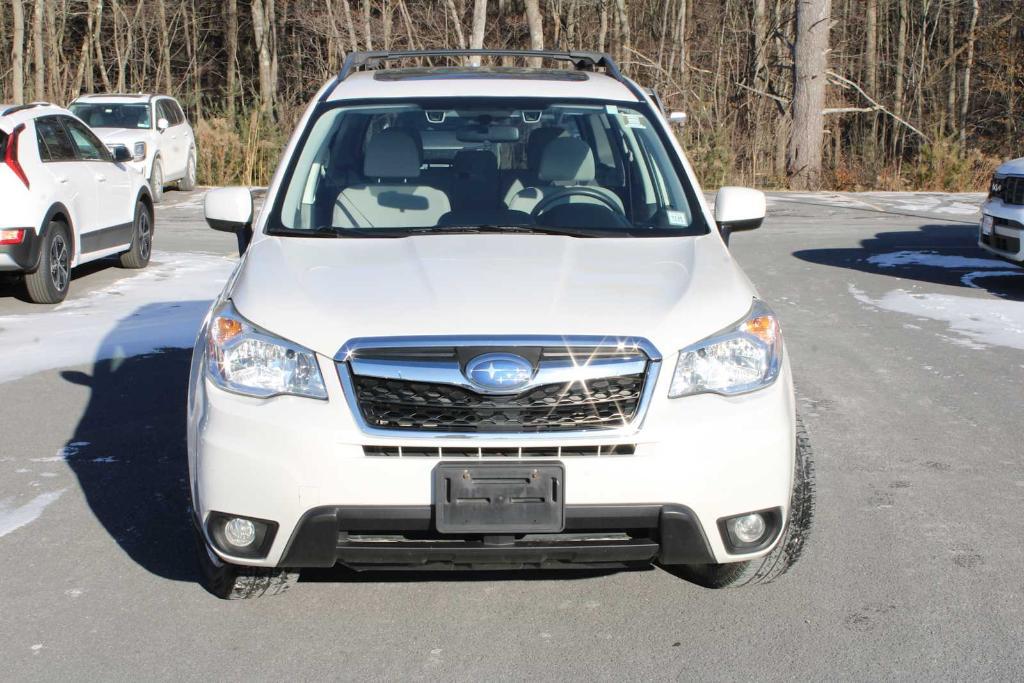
column 129, row 454
column 939, row 254
column 14, row 286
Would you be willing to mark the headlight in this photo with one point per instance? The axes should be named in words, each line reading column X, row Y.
column 245, row 359
column 139, row 153
column 741, row 358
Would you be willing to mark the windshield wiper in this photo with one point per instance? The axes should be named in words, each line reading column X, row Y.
column 487, row 228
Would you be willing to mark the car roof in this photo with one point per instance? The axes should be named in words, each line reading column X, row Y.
column 478, row 82
column 118, row 98
column 13, row 114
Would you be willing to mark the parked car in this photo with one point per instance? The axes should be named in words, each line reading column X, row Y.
column 153, row 127
column 486, row 320
column 1002, row 214
column 67, row 200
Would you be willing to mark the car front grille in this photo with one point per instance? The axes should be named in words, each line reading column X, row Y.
column 1011, row 189
column 389, row 390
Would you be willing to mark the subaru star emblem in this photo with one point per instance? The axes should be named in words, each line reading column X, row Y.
column 499, row 371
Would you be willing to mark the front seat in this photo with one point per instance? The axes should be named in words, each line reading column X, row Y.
column 565, row 165
column 389, row 196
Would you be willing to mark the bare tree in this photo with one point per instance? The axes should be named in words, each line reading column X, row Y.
column 809, row 81
column 476, row 38
column 18, row 52
column 536, row 24
column 965, row 100
column 38, row 50
column 262, row 28
column 231, row 34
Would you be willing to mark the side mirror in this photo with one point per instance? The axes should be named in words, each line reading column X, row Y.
column 162, row 125
column 121, row 153
column 229, row 209
column 737, row 209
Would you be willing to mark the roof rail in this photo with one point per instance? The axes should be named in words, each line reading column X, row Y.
column 581, row 60
column 22, row 107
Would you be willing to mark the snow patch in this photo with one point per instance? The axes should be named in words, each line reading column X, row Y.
column 160, row 307
column 934, row 259
column 980, row 322
column 12, row 518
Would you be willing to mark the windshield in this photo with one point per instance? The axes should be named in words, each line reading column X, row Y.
column 112, row 115
column 491, row 164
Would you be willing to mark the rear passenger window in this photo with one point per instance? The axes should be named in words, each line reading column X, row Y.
column 53, row 140
column 89, row 146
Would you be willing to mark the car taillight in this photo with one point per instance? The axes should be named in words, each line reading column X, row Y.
column 11, row 154
column 15, row 236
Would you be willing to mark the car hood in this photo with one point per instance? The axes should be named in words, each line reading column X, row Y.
column 323, row 292
column 1015, row 166
column 123, row 136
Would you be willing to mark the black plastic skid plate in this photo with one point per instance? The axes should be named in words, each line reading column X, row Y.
column 499, row 498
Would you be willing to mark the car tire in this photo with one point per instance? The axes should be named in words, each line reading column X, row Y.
column 188, row 182
column 156, row 181
column 50, row 282
column 139, row 252
column 790, row 546
column 233, row 582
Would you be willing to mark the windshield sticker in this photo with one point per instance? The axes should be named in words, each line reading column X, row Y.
column 611, row 109
column 634, row 121
column 677, row 218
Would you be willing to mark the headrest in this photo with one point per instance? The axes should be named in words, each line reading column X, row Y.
column 475, row 162
column 537, row 141
column 391, row 153
column 567, row 159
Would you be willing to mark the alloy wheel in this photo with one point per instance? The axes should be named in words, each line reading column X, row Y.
column 59, row 263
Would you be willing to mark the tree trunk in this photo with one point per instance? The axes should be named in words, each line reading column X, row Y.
column 602, row 36
column 811, row 62
column 965, row 100
column 164, row 69
column 460, row 37
column 18, row 52
column 901, row 57
column 950, row 126
column 625, row 51
column 38, row 50
column 536, row 24
column 366, row 25
column 352, row 37
column 262, row 25
column 871, row 49
column 231, row 35
column 476, row 38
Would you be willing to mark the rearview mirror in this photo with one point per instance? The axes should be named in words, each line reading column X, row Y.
column 229, row 209
column 737, row 209
column 162, row 125
column 121, row 153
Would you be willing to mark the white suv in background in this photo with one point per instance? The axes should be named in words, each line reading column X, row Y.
column 487, row 320
column 153, row 128
column 1002, row 214
column 66, row 200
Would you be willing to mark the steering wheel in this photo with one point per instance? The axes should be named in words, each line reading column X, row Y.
column 546, row 203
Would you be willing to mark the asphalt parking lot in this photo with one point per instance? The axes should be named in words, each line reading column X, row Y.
column 907, row 344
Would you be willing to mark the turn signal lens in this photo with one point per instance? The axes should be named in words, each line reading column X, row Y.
column 224, row 329
column 763, row 327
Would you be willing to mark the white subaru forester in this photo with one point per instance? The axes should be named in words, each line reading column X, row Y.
column 486, row 320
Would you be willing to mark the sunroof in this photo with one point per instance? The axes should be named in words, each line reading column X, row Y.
column 455, row 72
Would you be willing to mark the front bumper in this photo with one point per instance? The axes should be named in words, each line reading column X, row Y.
column 300, row 463
column 1006, row 239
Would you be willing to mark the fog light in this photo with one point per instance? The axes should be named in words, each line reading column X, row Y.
column 748, row 528
column 241, row 532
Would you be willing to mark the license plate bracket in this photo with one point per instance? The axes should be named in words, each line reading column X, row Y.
column 491, row 498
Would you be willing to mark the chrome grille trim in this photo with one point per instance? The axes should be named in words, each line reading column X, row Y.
column 627, row 349
column 399, row 451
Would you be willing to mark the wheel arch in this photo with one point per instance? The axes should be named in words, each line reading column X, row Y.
column 146, row 198
column 59, row 212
